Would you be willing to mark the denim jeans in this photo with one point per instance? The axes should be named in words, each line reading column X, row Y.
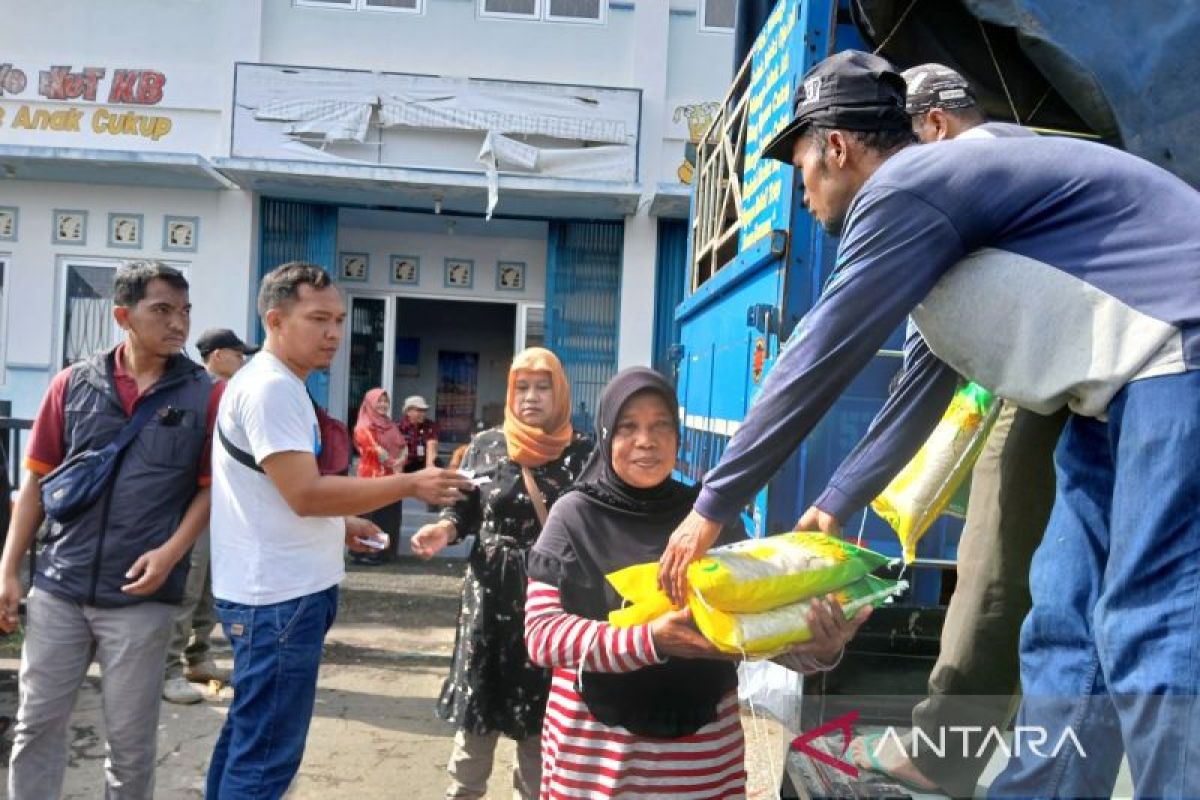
column 276, row 655
column 1110, row 653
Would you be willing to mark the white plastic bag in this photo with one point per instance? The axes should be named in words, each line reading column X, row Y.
column 770, row 689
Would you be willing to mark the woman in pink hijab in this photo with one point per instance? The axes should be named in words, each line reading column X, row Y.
column 381, row 451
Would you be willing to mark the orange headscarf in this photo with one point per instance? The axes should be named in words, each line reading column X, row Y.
column 528, row 445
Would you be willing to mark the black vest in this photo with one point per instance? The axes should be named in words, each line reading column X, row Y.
column 86, row 559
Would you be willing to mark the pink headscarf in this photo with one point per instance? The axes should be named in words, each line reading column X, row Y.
column 379, row 427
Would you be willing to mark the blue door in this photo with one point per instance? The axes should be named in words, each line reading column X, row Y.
column 583, row 293
column 296, row 231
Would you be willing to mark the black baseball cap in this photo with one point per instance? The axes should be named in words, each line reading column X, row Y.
column 936, row 86
column 221, row 338
column 851, row 90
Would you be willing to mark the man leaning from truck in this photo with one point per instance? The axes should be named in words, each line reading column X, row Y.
column 1055, row 272
column 109, row 581
column 1012, row 490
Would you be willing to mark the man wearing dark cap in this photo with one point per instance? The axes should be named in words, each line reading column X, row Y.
column 189, row 659
column 1057, row 273
column 222, row 352
column 1012, row 490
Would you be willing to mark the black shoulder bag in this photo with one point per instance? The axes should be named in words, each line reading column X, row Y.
column 74, row 485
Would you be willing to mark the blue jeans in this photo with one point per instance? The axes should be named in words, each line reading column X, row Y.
column 276, row 655
column 1110, row 653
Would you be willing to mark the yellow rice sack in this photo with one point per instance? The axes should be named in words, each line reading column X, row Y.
column 755, row 574
column 641, row 612
column 769, row 633
column 923, row 489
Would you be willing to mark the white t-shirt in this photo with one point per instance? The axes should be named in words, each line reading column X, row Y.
column 262, row 551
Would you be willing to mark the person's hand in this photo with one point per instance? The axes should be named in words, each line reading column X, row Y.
column 814, row 519
column 830, row 630
column 690, row 540
column 149, row 572
column 439, row 487
column 358, row 528
column 675, row 635
column 431, row 538
column 11, row 592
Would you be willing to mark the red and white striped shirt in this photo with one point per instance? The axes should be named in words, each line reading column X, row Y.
column 584, row 758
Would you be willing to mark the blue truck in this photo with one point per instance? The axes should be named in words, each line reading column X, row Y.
column 1120, row 73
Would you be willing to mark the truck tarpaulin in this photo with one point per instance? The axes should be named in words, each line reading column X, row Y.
column 1124, row 71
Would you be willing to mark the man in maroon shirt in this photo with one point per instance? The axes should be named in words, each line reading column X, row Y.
column 420, row 434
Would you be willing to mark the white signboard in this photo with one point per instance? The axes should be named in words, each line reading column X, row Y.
column 107, row 107
column 432, row 122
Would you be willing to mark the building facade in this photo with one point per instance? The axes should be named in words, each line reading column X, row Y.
column 479, row 175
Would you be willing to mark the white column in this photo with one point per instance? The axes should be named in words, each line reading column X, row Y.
column 649, row 73
column 636, row 332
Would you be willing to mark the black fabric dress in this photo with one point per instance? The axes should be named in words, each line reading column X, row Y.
column 492, row 686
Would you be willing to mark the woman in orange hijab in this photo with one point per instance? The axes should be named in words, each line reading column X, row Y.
column 520, row 469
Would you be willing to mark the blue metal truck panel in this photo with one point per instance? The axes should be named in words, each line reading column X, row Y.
column 733, row 323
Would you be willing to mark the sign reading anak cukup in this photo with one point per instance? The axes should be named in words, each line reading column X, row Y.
column 768, row 112
column 36, row 99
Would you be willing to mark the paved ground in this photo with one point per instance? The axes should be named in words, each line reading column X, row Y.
column 374, row 733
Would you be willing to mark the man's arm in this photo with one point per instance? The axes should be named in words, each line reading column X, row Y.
column 909, row 415
column 27, row 516
column 152, row 567
column 895, row 251
column 311, row 494
column 431, row 449
column 279, row 424
column 46, row 448
column 896, row 247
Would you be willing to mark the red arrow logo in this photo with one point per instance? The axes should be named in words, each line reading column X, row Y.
column 845, row 724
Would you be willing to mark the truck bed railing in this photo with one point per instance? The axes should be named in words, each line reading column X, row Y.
column 720, row 164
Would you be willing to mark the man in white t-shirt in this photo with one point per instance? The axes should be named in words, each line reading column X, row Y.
column 278, row 528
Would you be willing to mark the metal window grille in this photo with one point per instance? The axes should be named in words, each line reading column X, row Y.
column 583, row 289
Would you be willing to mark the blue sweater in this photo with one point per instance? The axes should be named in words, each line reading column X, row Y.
column 1050, row 270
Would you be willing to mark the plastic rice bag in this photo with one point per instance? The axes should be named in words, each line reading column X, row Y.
column 923, row 489
column 768, row 633
column 755, row 574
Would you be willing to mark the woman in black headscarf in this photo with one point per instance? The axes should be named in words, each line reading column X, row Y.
column 649, row 710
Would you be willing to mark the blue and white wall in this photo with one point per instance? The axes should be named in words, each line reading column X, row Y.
column 656, row 46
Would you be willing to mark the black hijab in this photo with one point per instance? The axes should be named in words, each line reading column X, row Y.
column 603, row 525
column 599, row 480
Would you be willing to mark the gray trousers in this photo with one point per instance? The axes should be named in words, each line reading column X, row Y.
column 976, row 679
column 61, row 639
column 195, row 619
column 471, row 765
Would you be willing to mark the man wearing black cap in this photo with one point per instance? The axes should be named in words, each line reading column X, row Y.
column 188, row 652
column 1056, row 273
column 1012, row 490
column 222, row 352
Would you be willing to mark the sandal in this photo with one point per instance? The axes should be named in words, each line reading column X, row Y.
column 870, row 744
